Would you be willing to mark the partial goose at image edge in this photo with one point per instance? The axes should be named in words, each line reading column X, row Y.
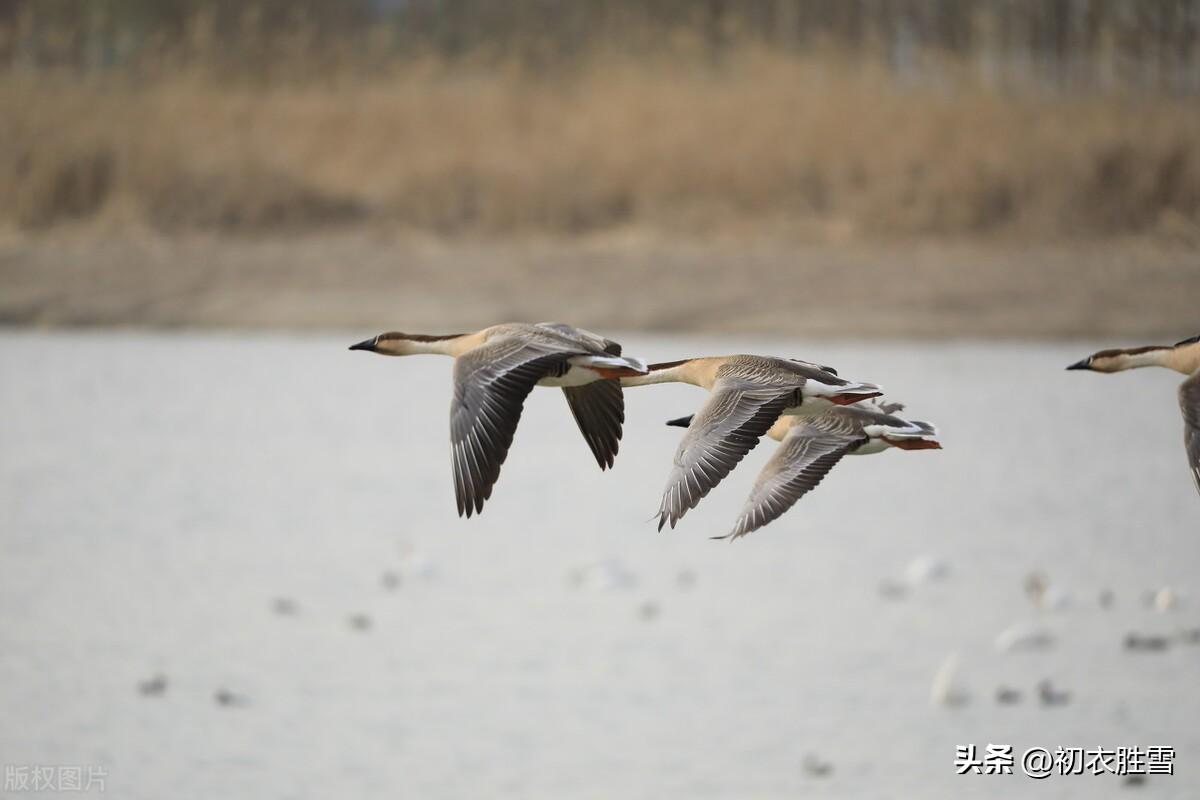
column 1182, row 357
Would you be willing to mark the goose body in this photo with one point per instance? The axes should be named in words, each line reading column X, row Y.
column 810, row 446
column 1183, row 357
column 747, row 395
column 494, row 371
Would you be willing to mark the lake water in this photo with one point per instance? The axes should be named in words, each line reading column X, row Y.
column 161, row 494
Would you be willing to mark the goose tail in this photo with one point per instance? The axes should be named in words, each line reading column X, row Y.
column 844, row 394
column 914, row 435
column 616, row 366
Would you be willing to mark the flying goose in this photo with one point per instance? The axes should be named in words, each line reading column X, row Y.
column 494, row 371
column 747, row 394
column 811, row 446
column 1182, row 357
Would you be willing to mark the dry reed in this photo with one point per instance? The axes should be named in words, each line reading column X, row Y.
column 814, row 142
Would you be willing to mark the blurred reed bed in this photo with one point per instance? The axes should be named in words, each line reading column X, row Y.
column 696, row 129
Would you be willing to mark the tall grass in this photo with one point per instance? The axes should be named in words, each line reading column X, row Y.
column 816, row 141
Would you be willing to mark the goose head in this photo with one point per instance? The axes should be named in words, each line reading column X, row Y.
column 395, row 343
column 1118, row 360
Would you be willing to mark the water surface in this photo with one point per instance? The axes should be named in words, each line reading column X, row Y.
column 158, row 492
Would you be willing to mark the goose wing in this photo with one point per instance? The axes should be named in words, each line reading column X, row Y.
column 599, row 410
column 595, row 340
column 728, row 426
column 809, row 450
column 491, row 383
column 1189, row 403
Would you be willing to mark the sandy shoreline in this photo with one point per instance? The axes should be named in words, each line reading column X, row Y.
column 627, row 281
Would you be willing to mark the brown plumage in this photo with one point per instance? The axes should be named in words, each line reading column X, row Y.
column 747, row 394
column 496, row 368
column 1183, row 357
column 810, row 447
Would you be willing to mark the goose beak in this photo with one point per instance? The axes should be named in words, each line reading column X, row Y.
column 368, row 345
column 1084, row 364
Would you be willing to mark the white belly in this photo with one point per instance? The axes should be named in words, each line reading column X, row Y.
column 873, row 446
column 575, row 376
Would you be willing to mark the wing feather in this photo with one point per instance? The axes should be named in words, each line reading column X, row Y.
column 491, row 383
column 728, row 426
column 809, row 450
column 1189, row 404
column 599, row 411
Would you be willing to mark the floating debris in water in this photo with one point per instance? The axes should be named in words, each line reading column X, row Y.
column 1107, row 599
column 649, row 610
column 390, row 580
column 414, row 564
column 685, row 579
column 926, row 569
column 921, row 570
column 1035, row 584
column 1152, row 643
column 153, row 687
column 1044, row 595
column 284, row 606
column 946, row 690
column 603, row 576
column 359, row 622
column 1007, row 696
column 1049, row 696
column 1165, row 599
column 228, row 699
column 1024, row 636
column 1191, row 636
column 1134, row 780
column 816, row 767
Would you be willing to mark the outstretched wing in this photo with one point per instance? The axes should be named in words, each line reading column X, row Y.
column 1189, row 403
column 811, row 448
column 599, row 410
column 728, row 426
column 491, row 383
